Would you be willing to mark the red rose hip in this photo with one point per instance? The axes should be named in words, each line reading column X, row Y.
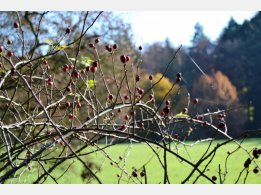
column 16, row 25
column 123, row 59
column 68, row 30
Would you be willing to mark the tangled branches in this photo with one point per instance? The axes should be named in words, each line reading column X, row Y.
column 54, row 113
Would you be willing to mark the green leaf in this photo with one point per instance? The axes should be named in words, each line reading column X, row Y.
column 83, row 62
column 2, row 70
column 86, row 59
column 74, row 94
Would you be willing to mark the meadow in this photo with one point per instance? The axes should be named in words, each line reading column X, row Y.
column 136, row 155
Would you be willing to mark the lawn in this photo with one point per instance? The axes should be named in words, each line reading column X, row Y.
column 135, row 156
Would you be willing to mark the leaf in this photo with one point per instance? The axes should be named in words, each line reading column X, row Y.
column 181, row 115
column 86, row 59
column 84, row 62
column 74, row 94
column 73, row 59
column 61, row 47
column 49, row 41
column 90, row 83
column 2, row 70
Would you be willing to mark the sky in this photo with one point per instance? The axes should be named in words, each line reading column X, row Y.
column 178, row 26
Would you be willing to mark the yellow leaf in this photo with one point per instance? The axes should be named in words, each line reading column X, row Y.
column 181, row 115
column 49, row 41
column 61, row 47
column 90, row 83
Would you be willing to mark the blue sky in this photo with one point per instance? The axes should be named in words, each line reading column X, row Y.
column 178, row 26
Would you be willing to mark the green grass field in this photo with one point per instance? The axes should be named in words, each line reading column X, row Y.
column 137, row 155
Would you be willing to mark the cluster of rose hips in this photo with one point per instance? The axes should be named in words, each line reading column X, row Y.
column 124, row 58
column 93, row 68
column 9, row 53
column 67, row 67
column 127, row 117
column 139, row 92
column 96, row 41
column 54, row 139
column 166, row 109
column 50, row 80
column 201, row 118
column 151, row 96
column 135, row 173
column 111, row 48
column 78, row 104
column 10, row 42
column 256, row 153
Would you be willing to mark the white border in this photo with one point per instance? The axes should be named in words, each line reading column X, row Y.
column 129, row 189
column 130, row 5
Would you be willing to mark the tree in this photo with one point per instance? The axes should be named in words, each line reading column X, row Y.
column 237, row 55
column 231, row 31
column 202, row 48
column 216, row 92
column 156, row 57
